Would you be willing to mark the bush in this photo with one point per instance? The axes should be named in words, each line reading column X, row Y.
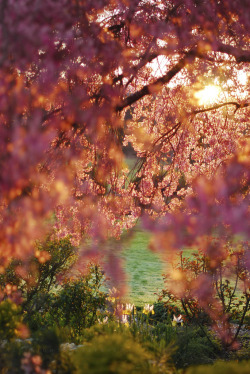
column 11, row 354
column 116, row 353
column 77, row 303
column 64, row 364
column 9, row 319
column 161, row 313
column 46, row 343
column 73, row 307
column 221, row 368
column 229, row 278
column 34, row 279
column 52, row 258
column 193, row 348
column 185, row 345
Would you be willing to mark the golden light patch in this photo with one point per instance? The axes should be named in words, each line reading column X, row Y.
column 208, row 95
column 177, row 275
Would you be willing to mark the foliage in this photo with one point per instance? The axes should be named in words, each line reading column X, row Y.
column 64, row 363
column 161, row 313
column 9, row 319
column 81, row 81
column 73, row 307
column 38, row 275
column 193, row 348
column 63, row 317
column 178, row 346
column 53, row 259
column 233, row 367
column 76, row 305
column 46, row 344
column 41, row 354
column 183, row 346
column 229, row 288
column 114, row 353
column 112, row 346
column 12, row 335
column 11, row 355
column 79, row 85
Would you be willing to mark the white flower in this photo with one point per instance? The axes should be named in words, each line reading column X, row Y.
column 148, row 309
column 177, row 320
column 129, row 308
column 124, row 320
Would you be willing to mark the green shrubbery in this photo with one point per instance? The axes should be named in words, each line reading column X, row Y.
column 74, row 306
column 230, row 287
column 78, row 301
column 72, row 327
column 114, row 353
column 220, row 367
column 49, row 312
column 46, row 302
column 9, row 319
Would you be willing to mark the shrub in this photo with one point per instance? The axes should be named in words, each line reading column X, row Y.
column 38, row 276
column 161, row 313
column 116, row 353
column 46, row 302
column 64, row 363
column 52, row 258
column 46, row 344
column 9, row 319
column 193, row 347
column 77, row 303
column 230, row 289
column 221, row 368
column 183, row 346
column 73, row 307
column 11, row 354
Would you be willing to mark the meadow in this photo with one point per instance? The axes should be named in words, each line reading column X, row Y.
column 144, row 270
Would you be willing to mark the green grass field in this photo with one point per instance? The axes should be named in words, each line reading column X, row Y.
column 144, row 270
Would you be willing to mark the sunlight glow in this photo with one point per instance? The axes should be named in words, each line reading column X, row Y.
column 208, row 95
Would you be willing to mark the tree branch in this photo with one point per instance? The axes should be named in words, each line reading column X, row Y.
column 238, row 106
column 239, row 54
column 50, row 114
column 157, row 85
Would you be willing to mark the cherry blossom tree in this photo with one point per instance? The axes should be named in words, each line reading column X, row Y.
column 84, row 81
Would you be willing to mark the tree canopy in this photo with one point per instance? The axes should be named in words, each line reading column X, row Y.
column 86, row 83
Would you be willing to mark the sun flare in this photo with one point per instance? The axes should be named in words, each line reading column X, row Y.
column 208, row 95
